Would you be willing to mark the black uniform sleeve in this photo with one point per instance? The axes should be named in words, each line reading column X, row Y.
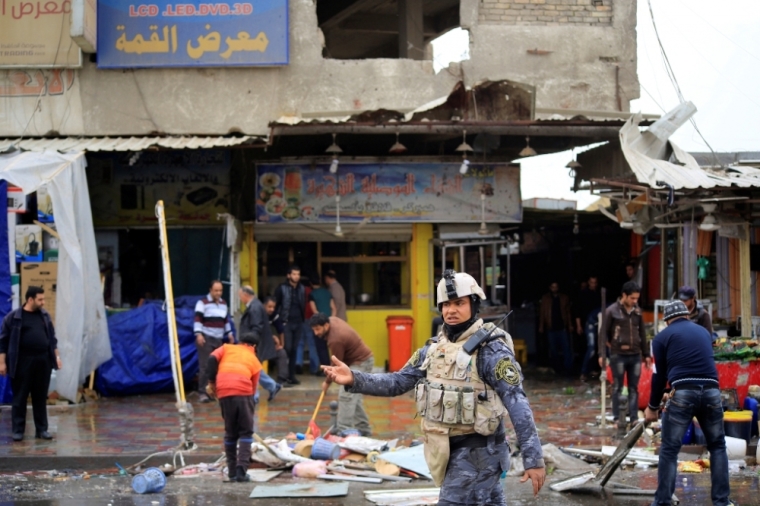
column 390, row 384
column 212, row 368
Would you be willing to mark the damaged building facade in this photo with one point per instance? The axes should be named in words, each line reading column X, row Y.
column 273, row 145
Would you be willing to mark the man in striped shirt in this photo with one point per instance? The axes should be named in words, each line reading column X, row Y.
column 212, row 324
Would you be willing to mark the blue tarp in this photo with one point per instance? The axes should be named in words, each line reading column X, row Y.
column 140, row 344
column 6, row 396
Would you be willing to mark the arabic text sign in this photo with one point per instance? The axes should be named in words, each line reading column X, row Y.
column 194, row 185
column 36, row 34
column 397, row 192
column 165, row 34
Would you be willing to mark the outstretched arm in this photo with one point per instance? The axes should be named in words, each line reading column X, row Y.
column 381, row 385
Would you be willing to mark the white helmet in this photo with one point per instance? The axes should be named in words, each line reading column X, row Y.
column 454, row 285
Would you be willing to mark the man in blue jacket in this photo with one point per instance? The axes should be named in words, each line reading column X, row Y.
column 28, row 354
column 683, row 356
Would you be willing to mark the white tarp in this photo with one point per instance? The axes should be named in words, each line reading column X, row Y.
column 80, row 322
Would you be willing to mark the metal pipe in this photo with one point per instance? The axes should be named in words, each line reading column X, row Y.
column 524, row 128
column 482, row 258
column 461, row 258
column 493, row 274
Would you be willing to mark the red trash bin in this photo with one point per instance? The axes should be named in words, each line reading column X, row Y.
column 399, row 341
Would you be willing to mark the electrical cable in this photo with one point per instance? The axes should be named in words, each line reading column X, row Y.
column 716, row 29
column 672, row 76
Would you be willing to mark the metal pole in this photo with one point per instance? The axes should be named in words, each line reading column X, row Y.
column 482, row 257
column 509, row 279
column 603, row 373
column 170, row 315
column 461, row 259
column 493, row 274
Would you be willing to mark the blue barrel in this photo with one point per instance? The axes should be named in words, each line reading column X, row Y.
column 688, row 434
column 750, row 404
column 324, row 450
column 149, row 481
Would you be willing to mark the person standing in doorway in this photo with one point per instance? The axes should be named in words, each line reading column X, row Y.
column 278, row 336
column 28, row 354
column 338, row 295
column 684, row 358
column 586, row 322
column 321, row 301
column 212, row 324
column 256, row 321
column 308, row 341
column 556, row 320
column 623, row 333
column 290, row 301
column 346, row 346
column 697, row 312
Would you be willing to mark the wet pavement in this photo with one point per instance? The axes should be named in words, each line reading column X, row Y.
column 94, row 435
column 141, row 425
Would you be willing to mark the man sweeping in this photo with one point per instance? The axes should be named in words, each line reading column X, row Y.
column 233, row 372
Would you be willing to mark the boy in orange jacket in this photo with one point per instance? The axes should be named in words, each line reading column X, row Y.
column 233, row 372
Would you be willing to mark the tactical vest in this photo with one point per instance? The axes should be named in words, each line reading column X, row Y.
column 453, row 399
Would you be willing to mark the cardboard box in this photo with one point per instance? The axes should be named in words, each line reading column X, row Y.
column 44, row 274
column 16, row 200
column 29, row 243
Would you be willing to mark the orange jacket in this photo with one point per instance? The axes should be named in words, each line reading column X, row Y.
column 238, row 372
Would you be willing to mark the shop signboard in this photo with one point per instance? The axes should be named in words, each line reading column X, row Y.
column 388, row 192
column 194, row 34
column 36, row 34
column 124, row 187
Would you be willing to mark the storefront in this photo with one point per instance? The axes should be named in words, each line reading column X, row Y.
column 375, row 224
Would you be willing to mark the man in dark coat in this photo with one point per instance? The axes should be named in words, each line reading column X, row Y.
column 255, row 320
column 290, row 298
column 28, row 354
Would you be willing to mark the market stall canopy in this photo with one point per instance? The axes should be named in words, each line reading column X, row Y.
column 67, row 144
column 651, row 159
column 80, row 312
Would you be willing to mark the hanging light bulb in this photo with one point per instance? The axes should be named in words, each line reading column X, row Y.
column 397, row 148
column 483, row 229
column 709, row 223
column 464, row 148
column 335, row 150
column 338, row 230
column 527, row 150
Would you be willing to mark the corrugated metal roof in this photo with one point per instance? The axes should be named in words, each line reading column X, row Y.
column 686, row 173
column 66, row 144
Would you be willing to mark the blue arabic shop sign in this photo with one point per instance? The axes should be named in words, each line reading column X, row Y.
column 388, row 192
column 198, row 34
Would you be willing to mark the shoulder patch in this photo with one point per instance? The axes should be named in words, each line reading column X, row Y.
column 415, row 359
column 507, row 371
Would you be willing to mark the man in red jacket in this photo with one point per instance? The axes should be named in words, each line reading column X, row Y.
column 233, row 372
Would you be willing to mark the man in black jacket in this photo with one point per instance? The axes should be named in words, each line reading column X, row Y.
column 28, row 354
column 291, row 309
column 623, row 334
column 256, row 321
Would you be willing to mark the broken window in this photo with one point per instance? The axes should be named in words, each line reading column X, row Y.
column 357, row 29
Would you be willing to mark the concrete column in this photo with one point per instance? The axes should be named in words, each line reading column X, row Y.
column 411, row 38
column 745, row 282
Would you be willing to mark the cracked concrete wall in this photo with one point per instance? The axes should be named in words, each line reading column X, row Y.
column 217, row 101
column 576, row 72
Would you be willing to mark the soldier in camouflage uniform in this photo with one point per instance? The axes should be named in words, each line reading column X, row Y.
column 465, row 381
